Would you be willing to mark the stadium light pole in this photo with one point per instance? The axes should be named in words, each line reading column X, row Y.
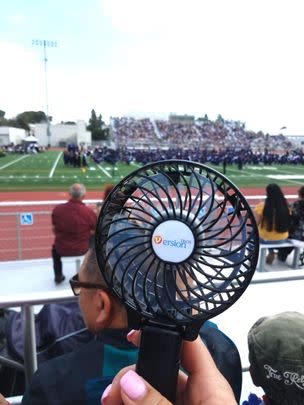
column 46, row 44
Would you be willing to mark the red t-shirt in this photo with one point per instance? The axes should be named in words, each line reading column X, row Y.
column 73, row 223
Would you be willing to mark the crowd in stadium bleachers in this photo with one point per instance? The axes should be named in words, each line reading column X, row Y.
column 202, row 133
column 217, row 142
column 126, row 129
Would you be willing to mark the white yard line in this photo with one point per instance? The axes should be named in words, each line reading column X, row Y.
column 55, row 164
column 14, row 161
column 268, row 176
column 135, row 164
column 104, row 171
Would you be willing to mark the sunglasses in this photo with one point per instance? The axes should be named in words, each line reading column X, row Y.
column 77, row 285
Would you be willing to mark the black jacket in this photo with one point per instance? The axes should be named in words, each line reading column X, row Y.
column 80, row 377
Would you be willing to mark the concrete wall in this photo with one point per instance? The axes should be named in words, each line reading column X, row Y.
column 62, row 133
column 11, row 135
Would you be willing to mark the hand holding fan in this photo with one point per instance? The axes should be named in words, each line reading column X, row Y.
column 178, row 244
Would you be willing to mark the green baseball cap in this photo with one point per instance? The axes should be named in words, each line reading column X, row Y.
column 276, row 356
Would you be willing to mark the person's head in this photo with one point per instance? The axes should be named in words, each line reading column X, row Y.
column 276, row 211
column 276, row 356
column 99, row 307
column 301, row 193
column 274, row 191
column 106, row 191
column 77, row 191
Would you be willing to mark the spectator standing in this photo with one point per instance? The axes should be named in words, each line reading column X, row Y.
column 273, row 217
column 296, row 230
column 276, row 356
column 73, row 224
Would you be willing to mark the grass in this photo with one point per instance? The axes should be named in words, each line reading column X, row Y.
column 41, row 172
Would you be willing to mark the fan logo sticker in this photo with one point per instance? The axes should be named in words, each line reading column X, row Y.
column 173, row 241
column 157, row 239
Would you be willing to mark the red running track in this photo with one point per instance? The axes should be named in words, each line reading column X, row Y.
column 34, row 241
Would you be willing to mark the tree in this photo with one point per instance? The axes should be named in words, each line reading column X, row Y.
column 20, row 122
column 220, row 119
column 97, row 127
column 205, row 118
column 92, row 122
column 31, row 117
column 23, row 119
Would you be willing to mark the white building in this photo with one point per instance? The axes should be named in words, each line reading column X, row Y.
column 11, row 135
column 62, row 134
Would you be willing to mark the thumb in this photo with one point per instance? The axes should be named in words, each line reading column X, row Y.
column 136, row 391
column 3, row 401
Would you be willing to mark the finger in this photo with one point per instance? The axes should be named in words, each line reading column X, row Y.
column 203, row 372
column 195, row 358
column 136, row 391
column 128, row 388
column 134, row 337
column 112, row 395
column 3, row 401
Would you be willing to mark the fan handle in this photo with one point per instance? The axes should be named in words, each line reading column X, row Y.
column 159, row 358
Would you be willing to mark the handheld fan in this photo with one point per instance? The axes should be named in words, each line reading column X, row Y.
column 177, row 242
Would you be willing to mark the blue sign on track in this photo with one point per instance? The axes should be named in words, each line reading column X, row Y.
column 26, row 218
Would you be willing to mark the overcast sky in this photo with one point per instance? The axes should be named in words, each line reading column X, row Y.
column 238, row 58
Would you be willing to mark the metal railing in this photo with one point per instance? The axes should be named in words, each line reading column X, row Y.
column 27, row 301
column 26, row 229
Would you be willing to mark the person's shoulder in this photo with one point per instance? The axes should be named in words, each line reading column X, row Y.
column 63, row 378
column 61, row 206
column 217, row 340
column 259, row 207
column 225, row 355
column 67, row 363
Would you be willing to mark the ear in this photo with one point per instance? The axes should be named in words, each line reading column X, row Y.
column 104, row 308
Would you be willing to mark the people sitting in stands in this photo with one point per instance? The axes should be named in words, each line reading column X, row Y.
column 203, row 384
column 106, row 191
column 296, row 230
column 276, row 356
column 83, row 375
column 59, row 329
column 273, row 217
column 73, row 225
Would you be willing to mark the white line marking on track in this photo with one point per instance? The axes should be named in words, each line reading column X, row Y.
column 55, row 164
column 14, row 161
column 104, row 171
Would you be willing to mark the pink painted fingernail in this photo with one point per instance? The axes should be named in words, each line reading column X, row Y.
column 105, row 394
column 133, row 385
column 130, row 334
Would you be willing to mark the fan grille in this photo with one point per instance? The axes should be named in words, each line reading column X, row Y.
column 176, row 240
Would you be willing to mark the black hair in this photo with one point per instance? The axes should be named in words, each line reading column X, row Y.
column 276, row 215
column 301, row 192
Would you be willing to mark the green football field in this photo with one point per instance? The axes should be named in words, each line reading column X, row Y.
column 46, row 171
